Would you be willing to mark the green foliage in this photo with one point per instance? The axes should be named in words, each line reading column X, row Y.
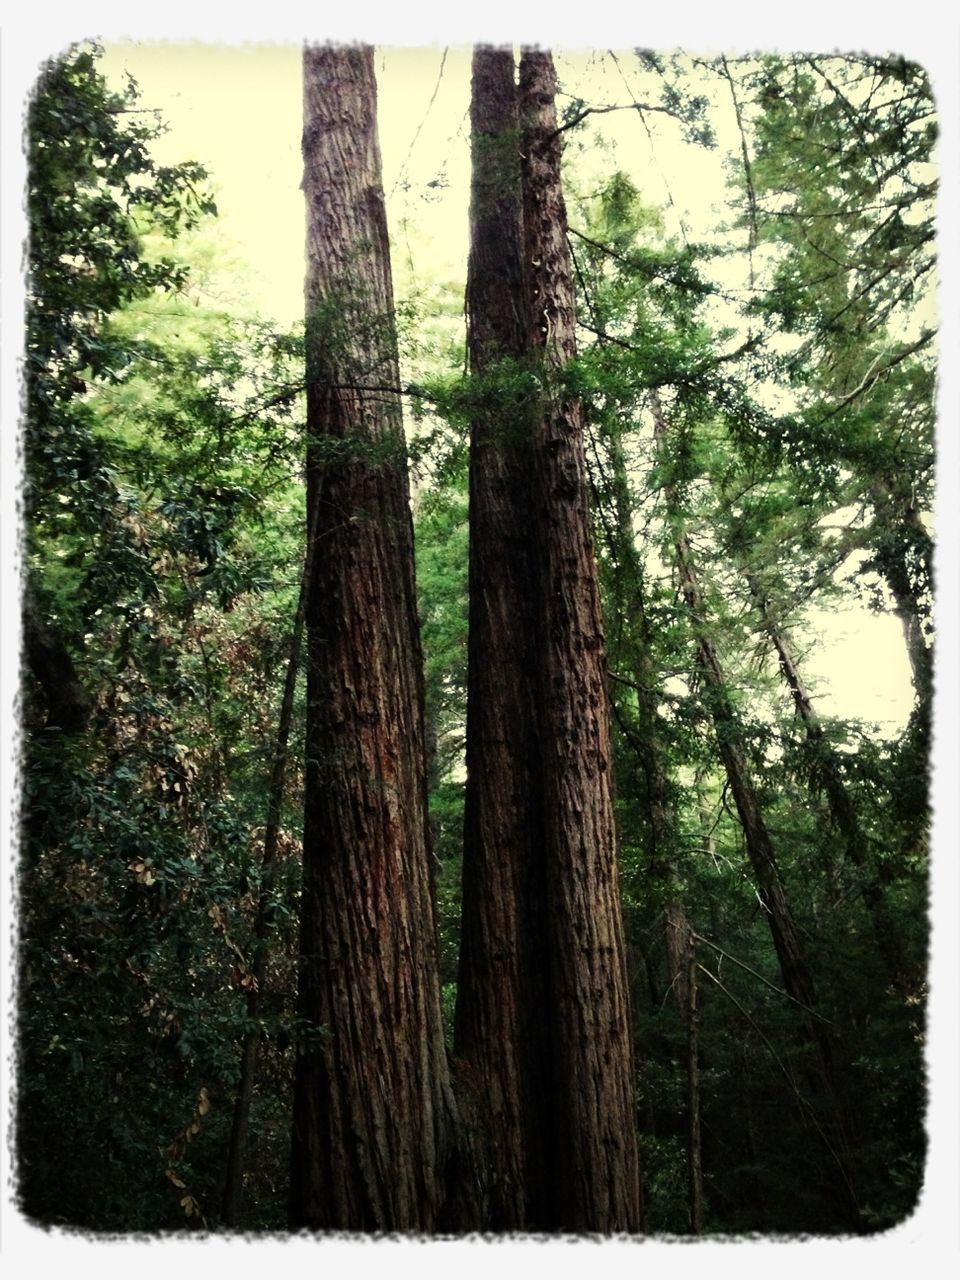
column 164, row 444
column 752, row 493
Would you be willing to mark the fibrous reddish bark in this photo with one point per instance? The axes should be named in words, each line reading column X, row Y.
column 372, row 1090
column 501, row 1024
column 596, row 1186
column 542, row 1007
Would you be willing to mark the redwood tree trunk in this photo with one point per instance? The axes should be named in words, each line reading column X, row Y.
column 501, row 1025
column 596, row 1179
column 542, row 1014
column 371, row 1091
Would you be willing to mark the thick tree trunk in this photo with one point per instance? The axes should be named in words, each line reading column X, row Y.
column 371, row 1097
column 542, row 1015
column 841, row 806
column 596, row 1178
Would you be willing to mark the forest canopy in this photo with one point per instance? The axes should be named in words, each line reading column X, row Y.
column 440, row 808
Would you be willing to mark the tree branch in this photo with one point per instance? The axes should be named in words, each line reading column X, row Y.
column 602, row 111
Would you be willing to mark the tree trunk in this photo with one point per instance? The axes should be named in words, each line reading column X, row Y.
column 502, row 1024
column 794, row 971
column 903, row 557
column 793, row 968
column 371, row 1097
column 901, row 524
column 542, row 1007
column 648, row 741
column 596, row 1177
column 233, row 1183
column 694, row 1146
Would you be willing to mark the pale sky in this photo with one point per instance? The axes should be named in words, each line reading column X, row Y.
column 237, row 109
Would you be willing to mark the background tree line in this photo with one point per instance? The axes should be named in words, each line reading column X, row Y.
column 672, row 979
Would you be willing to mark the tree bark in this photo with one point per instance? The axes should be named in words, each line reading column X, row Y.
column 542, row 1006
column 596, row 1178
column 372, row 1103
column 501, row 1024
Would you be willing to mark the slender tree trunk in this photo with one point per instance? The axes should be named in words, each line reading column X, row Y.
column 794, row 971
column 841, row 807
column 896, row 515
column 694, row 1164
column 233, row 1186
column 796, row 976
column 372, row 1098
column 904, row 559
column 648, row 742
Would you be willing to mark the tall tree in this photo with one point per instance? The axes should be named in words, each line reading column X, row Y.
column 502, row 1017
column 827, row 773
column 153, row 467
column 861, row 132
column 541, row 892
column 597, row 1178
column 371, row 1090
column 787, row 940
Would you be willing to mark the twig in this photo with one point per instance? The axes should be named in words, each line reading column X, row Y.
column 759, row 976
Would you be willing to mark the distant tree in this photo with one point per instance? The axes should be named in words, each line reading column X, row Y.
column 92, row 188
column 842, row 187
